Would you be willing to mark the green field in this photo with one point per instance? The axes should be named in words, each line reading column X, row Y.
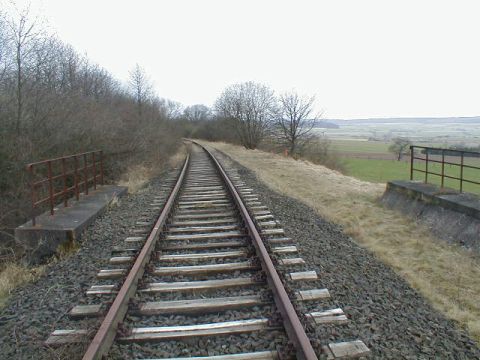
column 358, row 146
column 385, row 170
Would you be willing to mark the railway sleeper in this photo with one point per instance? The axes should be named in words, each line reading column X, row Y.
column 346, row 350
column 205, row 269
column 203, row 236
column 203, row 228
column 199, row 305
column 205, row 246
column 302, row 275
column 259, row 355
column 82, row 311
column 202, row 256
column 333, row 316
column 291, row 261
column 203, row 215
column 201, row 285
column 163, row 333
column 205, row 210
column 111, row 274
column 134, row 239
column 203, row 222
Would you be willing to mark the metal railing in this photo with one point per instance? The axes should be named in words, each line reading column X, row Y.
column 443, row 157
column 64, row 177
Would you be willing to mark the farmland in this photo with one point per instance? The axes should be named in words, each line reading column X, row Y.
column 363, row 146
column 441, row 131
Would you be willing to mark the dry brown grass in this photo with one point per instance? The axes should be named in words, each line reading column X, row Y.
column 179, row 157
column 137, row 176
column 448, row 276
column 12, row 275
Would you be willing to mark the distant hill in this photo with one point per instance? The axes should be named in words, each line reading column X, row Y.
column 326, row 124
column 420, row 120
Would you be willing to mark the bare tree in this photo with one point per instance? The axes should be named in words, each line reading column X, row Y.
column 141, row 87
column 296, row 120
column 4, row 47
column 197, row 112
column 252, row 107
column 173, row 109
column 24, row 38
column 399, row 147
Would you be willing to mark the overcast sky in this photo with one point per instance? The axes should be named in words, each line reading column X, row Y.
column 359, row 58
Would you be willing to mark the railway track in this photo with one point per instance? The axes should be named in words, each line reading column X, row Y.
column 212, row 277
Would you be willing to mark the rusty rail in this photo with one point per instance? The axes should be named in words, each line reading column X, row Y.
column 293, row 326
column 63, row 177
column 105, row 335
column 431, row 151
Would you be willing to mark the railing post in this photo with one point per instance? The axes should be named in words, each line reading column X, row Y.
column 50, row 188
column 85, row 173
column 443, row 167
column 75, row 178
column 411, row 162
column 34, row 198
column 461, row 172
column 426, row 165
column 64, row 176
column 101, row 168
column 94, row 171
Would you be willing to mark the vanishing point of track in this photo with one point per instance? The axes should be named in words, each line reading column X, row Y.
column 211, row 226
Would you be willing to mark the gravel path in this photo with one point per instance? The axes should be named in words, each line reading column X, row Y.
column 35, row 310
column 393, row 320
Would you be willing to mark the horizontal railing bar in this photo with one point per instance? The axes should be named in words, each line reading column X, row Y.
column 448, row 163
column 39, row 202
column 471, row 181
column 71, row 189
column 60, row 176
column 434, row 173
column 447, row 176
column 445, row 150
column 45, row 180
column 64, row 158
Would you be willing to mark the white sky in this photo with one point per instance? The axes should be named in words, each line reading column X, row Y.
column 360, row 58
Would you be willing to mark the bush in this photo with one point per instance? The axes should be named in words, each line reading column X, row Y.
column 319, row 151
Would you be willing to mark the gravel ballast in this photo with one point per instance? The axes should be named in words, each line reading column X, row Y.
column 389, row 316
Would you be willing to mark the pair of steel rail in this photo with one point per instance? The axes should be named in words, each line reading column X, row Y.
column 105, row 335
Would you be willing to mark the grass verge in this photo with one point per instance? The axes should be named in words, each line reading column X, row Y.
column 446, row 275
column 12, row 275
column 137, row 176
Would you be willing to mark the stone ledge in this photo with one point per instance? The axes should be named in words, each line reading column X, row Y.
column 465, row 203
column 450, row 215
column 42, row 240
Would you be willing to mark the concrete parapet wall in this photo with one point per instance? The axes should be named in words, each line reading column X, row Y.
column 42, row 240
column 451, row 216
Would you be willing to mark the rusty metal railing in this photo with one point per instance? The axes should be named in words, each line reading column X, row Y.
column 444, row 157
column 64, row 177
